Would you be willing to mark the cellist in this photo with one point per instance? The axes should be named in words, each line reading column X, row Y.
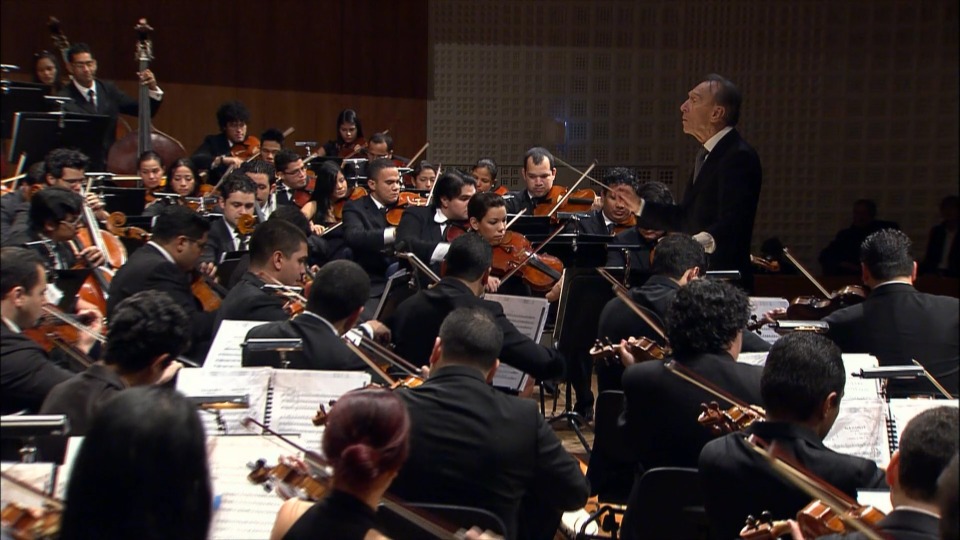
column 54, row 216
column 215, row 153
column 66, row 168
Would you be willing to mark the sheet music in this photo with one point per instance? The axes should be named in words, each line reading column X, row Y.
column 858, row 387
column 246, row 510
column 221, row 382
column 529, row 315
column 861, row 430
column 225, row 351
column 753, row 358
column 762, row 304
column 63, row 472
column 38, row 475
column 879, row 499
column 904, row 410
column 298, row 393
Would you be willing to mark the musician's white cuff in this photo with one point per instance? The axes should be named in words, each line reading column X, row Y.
column 354, row 334
column 706, row 240
column 367, row 329
column 439, row 252
column 643, row 202
column 389, row 235
column 156, row 94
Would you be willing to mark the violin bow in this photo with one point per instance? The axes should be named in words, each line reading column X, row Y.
column 533, row 253
column 38, row 492
column 433, row 186
column 693, row 378
column 806, row 274
column 515, row 218
column 933, row 380
column 621, row 293
column 368, row 361
column 578, row 171
column 416, row 156
column 570, row 191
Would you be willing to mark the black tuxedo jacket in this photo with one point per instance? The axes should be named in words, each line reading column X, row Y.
column 211, row 147
column 900, row 525
column 22, row 235
column 722, row 201
column 323, row 349
column 247, row 301
column 416, row 323
column 593, row 223
column 11, row 205
column 519, row 200
column 363, row 225
column 728, row 461
column 473, row 445
column 27, row 374
column 897, row 323
column 938, row 234
column 148, row 269
column 660, row 411
column 112, row 102
column 219, row 241
column 639, row 257
column 420, row 232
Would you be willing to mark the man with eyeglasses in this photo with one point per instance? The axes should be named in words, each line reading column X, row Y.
column 214, row 155
column 169, row 263
column 93, row 96
column 292, row 173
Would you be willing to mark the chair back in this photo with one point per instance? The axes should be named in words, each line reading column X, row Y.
column 666, row 502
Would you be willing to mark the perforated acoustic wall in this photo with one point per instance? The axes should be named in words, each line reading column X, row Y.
column 842, row 99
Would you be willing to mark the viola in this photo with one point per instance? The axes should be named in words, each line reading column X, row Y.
column 356, row 193
column 246, row 149
column 206, row 291
column 405, row 200
column 722, row 421
column 815, row 308
column 515, row 253
column 642, row 348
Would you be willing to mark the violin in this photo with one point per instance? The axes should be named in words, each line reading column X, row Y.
column 405, row 199
column 642, row 348
column 57, row 329
column 455, row 229
column 515, row 253
column 246, row 223
column 815, row 308
column 295, row 302
column 711, row 417
column 630, row 223
column 356, row 193
column 289, row 480
column 501, row 190
column 387, row 359
column 247, row 149
column 206, row 291
column 347, row 150
column 24, row 523
column 580, row 200
column 763, row 263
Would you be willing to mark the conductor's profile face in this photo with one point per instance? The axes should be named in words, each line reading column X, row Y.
column 700, row 113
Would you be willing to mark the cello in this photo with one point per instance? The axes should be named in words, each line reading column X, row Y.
column 123, row 155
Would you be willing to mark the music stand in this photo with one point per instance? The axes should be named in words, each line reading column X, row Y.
column 394, row 293
column 228, row 264
column 271, row 351
column 36, row 133
column 28, row 427
column 128, row 201
column 19, row 97
column 578, row 250
column 532, row 226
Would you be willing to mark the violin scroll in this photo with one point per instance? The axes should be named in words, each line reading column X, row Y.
column 764, row 528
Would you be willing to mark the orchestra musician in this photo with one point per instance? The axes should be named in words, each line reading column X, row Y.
column 264, row 175
column 487, row 213
column 613, row 212
column 841, row 256
column 333, row 308
column 66, row 168
column 27, row 372
column 165, row 264
column 182, row 180
column 331, row 187
column 801, row 389
column 485, row 171
column 417, row 320
column 271, row 142
column 15, row 205
column 46, row 70
column 423, row 228
column 214, row 153
column 659, row 420
column 147, row 332
column 278, row 255
column 293, row 176
column 366, row 440
column 349, row 135
column 638, row 235
column 239, row 199
column 379, row 146
column 424, row 175
column 474, row 446
column 366, row 230
column 150, row 170
column 538, row 176
column 94, row 96
column 53, row 218
column 156, row 432
column 720, row 201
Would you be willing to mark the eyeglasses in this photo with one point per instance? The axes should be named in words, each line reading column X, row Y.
column 301, row 170
column 74, row 223
column 72, row 181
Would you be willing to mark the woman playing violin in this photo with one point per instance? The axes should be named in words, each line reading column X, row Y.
column 330, row 189
column 150, row 170
column 182, row 180
column 485, row 172
column 349, row 135
column 366, row 442
column 424, row 175
column 488, row 218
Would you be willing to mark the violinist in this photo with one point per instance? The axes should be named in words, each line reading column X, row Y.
column 485, row 172
column 150, row 169
column 704, row 326
column 365, row 439
column 471, row 445
column 264, row 175
column 165, row 264
column 54, row 216
column 271, row 142
column 801, row 388
column 94, row 96
column 28, row 373
column 293, row 177
column 417, row 320
column 239, row 199
column 349, row 135
column 331, row 188
column 278, row 255
column 539, row 173
column 379, row 146
column 215, row 152
column 424, row 175
column 365, row 225
column 424, row 228
column 147, row 332
column 336, row 301
column 488, row 218
column 148, row 445
column 614, row 214
column 15, row 205
column 640, row 236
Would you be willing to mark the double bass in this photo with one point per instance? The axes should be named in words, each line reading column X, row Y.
column 123, row 155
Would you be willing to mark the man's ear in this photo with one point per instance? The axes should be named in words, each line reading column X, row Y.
column 865, row 275
column 485, row 277
column 493, row 371
column 436, row 351
column 893, row 470
column 831, row 402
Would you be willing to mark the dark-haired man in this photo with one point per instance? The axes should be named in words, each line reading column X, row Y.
column 165, row 264
column 214, row 152
column 333, row 308
column 380, row 146
column 418, row 318
column 471, row 445
column 897, row 323
column 147, row 332
column 239, row 199
column 423, row 229
column 641, row 239
column 292, row 174
column 539, row 173
column 802, row 386
column 94, row 96
column 53, row 217
column 14, row 205
column 614, row 210
column 264, row 176
column 720, row 202
column 271, row 142
column 278, row 254
column 704, row 325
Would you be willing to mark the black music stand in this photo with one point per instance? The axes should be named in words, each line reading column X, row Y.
column 578, row 250
column 36, row 133
column 532, row 226
column 19, row 97
column 129, row 201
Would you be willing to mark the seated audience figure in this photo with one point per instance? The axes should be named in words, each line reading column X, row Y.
column 156, row 432
column 475, row 446
column 802, row 387
column 943, row 254
column 366, row 440
column 839, row 258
